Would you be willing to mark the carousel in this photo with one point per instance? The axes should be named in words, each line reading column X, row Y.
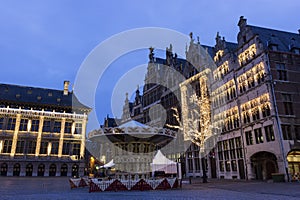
column 132, row 149
column 131, row 145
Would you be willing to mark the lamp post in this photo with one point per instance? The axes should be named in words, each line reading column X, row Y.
column 204, row 170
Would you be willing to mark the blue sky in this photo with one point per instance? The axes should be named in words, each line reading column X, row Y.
column 43, row 43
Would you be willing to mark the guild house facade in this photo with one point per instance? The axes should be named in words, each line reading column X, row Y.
column 255, row 103
column 42, row 131
column 253, row 97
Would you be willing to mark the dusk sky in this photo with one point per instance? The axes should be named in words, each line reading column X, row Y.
column 43, row 43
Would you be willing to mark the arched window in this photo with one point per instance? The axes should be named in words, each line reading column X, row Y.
column 29, row 169
column 3, row 169
column 64, row 170
column 75, row 169
column 41, row 170
column 52, row 170
column 16, row 169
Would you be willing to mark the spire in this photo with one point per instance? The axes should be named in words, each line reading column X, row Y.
column 151, row 54
column 126, row 110
column 126, row 100
column 137, row 95
column 191, row 35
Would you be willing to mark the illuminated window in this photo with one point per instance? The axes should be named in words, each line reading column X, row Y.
column 57, row 127
column 220, row 152
column 227, row 166
column 260, row 78
column 35, row 125
column 78, row 128
column 54, row 148
column 251, row 82
column 258, row 136
column 68, row 127
column 43, row 147
column 269, row 133
column 47, row 126
column 7, row 146
column 239, row 153
column 11, row 124
column 266, row 110
column 255, row 114
column 20, row 146
column 221, row 165
column 246, row 117
column 23, row 125
column 31, row 147
column 233, row 165
column 66, row 148
column 226, row 155
column 249, row 138
column 242, row 87
column 247, row 55
column 238, row 143
column 1, row 123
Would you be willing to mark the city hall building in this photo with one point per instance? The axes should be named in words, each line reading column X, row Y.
column 42, row 131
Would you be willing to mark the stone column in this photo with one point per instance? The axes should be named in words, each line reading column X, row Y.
column 39, row 137
column 29, row 125
column 61, row 137
column 15, row 137
column 82, row 146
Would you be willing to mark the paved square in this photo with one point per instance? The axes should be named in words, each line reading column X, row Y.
column 58, row 188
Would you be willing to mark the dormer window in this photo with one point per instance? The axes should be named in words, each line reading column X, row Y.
column 296, row 50
column 273, row 47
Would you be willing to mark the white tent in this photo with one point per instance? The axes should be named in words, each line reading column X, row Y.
column 161, row 163
column 109, row 164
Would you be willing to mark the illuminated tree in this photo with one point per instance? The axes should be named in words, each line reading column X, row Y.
column 195, row 118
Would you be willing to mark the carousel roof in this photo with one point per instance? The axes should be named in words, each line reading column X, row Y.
column 133, row 131
column 133, row 123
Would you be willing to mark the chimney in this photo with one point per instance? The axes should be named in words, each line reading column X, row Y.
column 66, row 87
column 242, row 22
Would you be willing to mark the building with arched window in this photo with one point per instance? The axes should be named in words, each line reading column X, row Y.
column 42, row 131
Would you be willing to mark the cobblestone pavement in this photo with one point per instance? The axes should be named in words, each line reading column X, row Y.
column 58, row 188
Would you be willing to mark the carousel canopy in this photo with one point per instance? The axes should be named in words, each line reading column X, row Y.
column 161, row 163
column 109, row 164
column 133, row 123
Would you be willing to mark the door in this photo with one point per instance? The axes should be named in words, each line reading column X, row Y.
column 213, row 167
column 241, row 169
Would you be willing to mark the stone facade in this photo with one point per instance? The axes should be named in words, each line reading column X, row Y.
column 254, row 100
column 252, row 87
column 42, row 132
